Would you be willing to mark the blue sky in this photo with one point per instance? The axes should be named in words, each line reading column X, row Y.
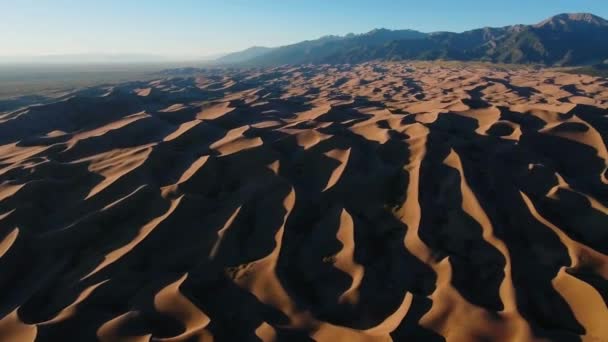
column 190, row 28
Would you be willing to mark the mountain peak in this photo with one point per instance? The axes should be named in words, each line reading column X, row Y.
column 383, row 30
column 385, row 35
column 569, row 18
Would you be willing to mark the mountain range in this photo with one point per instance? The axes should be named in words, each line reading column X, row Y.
column 562, row 40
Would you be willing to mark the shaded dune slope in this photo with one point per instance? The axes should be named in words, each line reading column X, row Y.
column 377, row 202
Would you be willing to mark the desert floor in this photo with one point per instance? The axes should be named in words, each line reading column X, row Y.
column 412, row 202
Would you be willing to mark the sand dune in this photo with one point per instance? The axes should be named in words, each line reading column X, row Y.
column 372, row 202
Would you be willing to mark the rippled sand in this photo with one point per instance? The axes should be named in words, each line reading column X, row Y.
column 406, row 202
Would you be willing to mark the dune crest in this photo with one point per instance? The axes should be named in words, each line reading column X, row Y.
column 171, row 302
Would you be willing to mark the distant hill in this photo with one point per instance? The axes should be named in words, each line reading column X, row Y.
column 243, row 56
column 562, row 40
column 320, row 50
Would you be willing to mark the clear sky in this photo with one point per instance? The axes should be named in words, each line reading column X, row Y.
column 193, row 28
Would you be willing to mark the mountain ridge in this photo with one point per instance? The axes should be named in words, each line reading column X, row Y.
column 566, row 39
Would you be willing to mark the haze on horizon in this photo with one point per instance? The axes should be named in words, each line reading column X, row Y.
column 190, row 30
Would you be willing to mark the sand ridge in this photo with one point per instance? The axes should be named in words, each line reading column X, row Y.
column 370, row 202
